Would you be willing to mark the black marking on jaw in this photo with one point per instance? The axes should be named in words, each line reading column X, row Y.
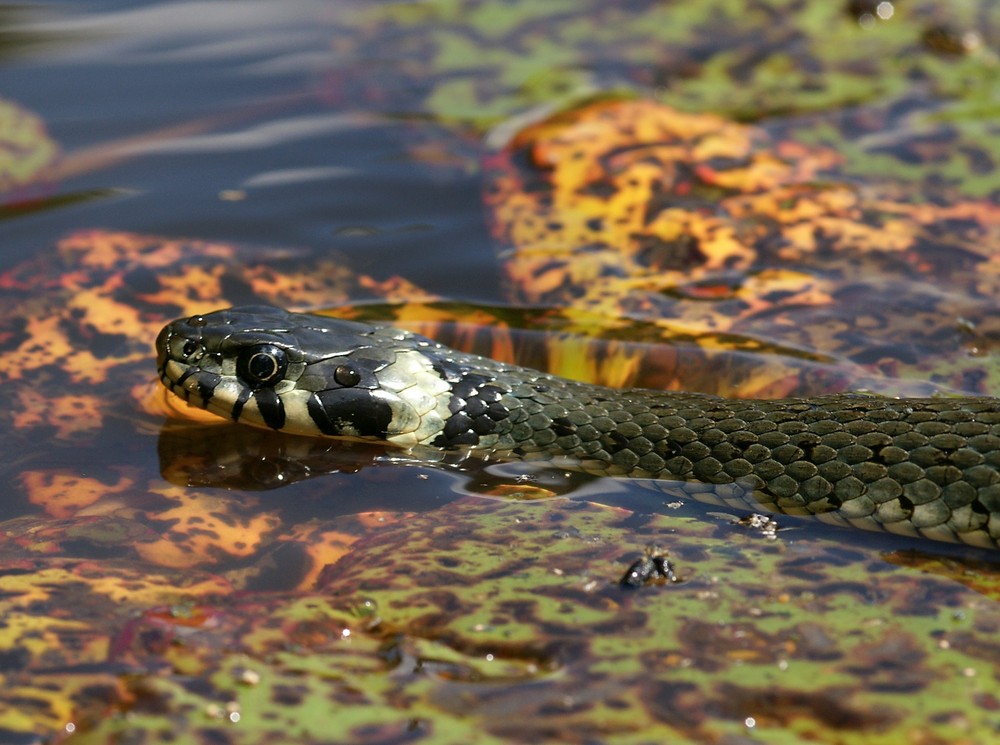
column 240, row 402
column 184, row 376
column 350, row 411
column 271, row 408
column 319, row 416
column 207, row 383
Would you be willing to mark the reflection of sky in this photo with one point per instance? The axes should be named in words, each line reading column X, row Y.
column 255, row 137
column 293, row 33
column 232, row 120
column 186, row 62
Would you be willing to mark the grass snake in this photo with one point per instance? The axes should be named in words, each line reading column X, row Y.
column 926, row 467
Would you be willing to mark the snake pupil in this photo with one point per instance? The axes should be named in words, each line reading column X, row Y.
column 346, row 376
column 261, row 365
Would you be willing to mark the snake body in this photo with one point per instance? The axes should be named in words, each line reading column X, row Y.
column 927, row 467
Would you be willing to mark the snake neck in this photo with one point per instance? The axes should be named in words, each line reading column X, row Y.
column 913, row 466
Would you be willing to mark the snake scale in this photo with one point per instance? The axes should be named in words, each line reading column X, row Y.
column 925, row 467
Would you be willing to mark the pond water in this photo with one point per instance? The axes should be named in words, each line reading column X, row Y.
column 164, row 574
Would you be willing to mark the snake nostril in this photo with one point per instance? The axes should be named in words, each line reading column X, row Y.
column 190, row 347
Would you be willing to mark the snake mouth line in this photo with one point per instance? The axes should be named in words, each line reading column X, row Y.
column 177, row 386
column 183, row 393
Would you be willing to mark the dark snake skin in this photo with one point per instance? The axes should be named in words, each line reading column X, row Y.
column 924, row 467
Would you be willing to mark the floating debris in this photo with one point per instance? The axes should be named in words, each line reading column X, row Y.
column 653, row 568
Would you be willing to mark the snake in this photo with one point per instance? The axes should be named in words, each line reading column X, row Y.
column 924, row 467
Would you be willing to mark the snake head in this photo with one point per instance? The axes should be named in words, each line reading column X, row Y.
column 306, row 374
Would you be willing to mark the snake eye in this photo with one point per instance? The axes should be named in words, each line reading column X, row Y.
column 262, row 365
column 346, row 376
column 190, row 347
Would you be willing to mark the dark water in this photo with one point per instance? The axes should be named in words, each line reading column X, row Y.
column 256, row 83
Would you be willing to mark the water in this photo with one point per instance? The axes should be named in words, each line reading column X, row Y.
column 168, row 577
